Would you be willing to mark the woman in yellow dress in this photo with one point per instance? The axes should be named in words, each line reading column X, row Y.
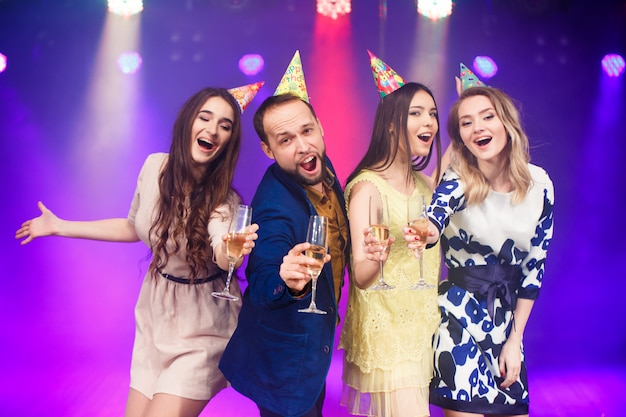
column 387, row 334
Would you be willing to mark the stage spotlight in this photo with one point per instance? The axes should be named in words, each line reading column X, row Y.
column 434, row 9
column 613, row 65
column 125, row 7
column 485, row 66
column 251, row 64
column 3, row 62
column 129, row 62
column 333, row 8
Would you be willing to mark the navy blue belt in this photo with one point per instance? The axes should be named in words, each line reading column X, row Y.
column 195, row 281
column 489, row 282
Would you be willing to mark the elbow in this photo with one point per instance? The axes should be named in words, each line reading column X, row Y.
column 360, row 284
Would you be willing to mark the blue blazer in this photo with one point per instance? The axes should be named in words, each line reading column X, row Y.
column 277, row 356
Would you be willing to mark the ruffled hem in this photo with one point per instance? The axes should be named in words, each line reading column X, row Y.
column 402, row 392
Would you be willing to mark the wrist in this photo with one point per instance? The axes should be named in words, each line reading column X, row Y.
column 299, row 294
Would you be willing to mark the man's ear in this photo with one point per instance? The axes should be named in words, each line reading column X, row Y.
column 266, row 150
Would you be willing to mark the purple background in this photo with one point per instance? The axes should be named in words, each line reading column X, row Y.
column 74, row 132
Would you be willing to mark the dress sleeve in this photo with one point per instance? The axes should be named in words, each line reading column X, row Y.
column 134, row 205
column 448, row 198
column 534, row 264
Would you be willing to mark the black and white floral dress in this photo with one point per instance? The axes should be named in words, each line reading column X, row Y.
column 495, row 253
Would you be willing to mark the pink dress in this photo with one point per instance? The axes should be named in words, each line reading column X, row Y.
column 181, row 330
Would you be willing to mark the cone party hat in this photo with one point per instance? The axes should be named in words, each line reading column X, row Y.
column 386, row 79
column 469, row 79
column 293, row 79
column 245, row 94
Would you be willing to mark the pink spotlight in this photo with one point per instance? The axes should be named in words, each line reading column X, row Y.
column 334, row 8
column 129, row 62
column 613, row 65
column 251, row 64
column 485, row 66
column 3, row 62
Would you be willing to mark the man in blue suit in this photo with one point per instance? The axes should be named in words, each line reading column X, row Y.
column 280, row 357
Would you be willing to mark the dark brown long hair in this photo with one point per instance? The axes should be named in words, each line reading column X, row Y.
column 176, row 220
column 393, row 110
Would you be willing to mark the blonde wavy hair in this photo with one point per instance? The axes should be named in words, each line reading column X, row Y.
column 477, row 187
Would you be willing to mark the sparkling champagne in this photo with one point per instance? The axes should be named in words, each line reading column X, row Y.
column 234, row 246
column 420, row 227
column 381, row 233
column 318, row 253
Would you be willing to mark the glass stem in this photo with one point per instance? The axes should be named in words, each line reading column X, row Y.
column 421, row 269
column 313, row 291
column 382, row 275
column 231, row 268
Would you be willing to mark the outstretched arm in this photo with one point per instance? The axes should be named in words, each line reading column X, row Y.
column 48, row 224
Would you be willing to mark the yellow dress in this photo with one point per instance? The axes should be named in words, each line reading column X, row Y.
column 387, row 335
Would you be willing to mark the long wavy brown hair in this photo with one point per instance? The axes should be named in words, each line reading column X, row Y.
column 517, row 149
column 178, row 220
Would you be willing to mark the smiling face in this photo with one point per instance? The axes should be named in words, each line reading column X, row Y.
column 211, row 130
column 295, row 140
column 481, row 130
column 422, row 125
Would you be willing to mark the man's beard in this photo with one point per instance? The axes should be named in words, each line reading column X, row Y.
column 307, row 181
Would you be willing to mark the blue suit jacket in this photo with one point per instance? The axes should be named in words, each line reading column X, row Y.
column 277, row 356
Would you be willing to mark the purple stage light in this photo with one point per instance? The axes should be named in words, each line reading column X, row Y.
column 251, row 64
column 129, row 62
column 485, row 66
column 613, row 65
column 3, row 62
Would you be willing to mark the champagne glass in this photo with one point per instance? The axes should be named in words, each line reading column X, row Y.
column 317, row 236
column 379, row 225
column 417, row 219
column 234, row 246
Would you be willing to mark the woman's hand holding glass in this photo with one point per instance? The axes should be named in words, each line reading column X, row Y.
column 248, row 243
column 415, row 243
column 239, row 242
column 373, row 249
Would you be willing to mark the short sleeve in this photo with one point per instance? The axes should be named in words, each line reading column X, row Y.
column 134, row 205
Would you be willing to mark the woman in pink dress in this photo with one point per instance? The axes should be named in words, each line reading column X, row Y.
column 181, row 210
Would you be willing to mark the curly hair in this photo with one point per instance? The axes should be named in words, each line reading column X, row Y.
column 185, row 217
column 477, row 187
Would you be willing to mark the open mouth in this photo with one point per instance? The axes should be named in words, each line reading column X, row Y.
column 309, row 164
column 206, row 145
column 425, row 137
column 483, row 141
